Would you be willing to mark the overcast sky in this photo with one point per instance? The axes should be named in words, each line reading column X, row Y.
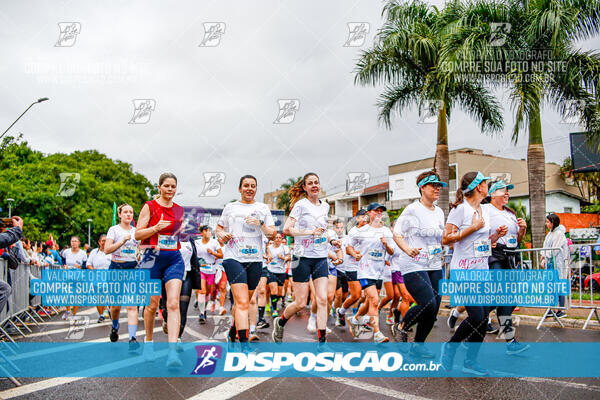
column 215, row 106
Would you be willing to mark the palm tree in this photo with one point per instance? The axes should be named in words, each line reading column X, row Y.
column 537, row 58
column 406, row 59
column 283, row 200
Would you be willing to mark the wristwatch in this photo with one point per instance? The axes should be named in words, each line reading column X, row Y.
column 262, row 222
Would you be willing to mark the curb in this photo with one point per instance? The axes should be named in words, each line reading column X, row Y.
column 548, row 323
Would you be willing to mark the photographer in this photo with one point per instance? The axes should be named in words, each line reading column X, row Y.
column 8, row 237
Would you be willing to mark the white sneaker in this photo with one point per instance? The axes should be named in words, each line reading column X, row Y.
column 327, row 329
column 312, row 325
column 380, row 338
column 148, row 351
column 179, row 346
column 223, row 311
column 173, row 360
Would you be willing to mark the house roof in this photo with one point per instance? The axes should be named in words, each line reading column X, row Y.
column 380, row 188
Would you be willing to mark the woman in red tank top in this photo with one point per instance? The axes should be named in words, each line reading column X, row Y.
column 158, row 229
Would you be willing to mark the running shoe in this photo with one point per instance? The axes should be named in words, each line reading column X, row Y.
column 164, row 327
column 179, row 346
column 472, row 367
column 253, row 337
column 394, row 329
column 447, row 357
column 389, row 320
column 262, row 324
column 367, row 327
column 277, row 334
column 101, row 319
column 380, row 338
column 114, row 334
column 173, row 360
column 289, row 299
column 106, row 314
column 354, row 327
column 452, row 320
column 196, row 304
column 327, row 329
column 202, row 318
column 561, row 314
column 340, row 319
column 134, row 346
column 402, row 334
column 312, row 325
column 149, row 351
column 514, row 347
column 492, row 329
column 66, row 315
column 223, row 311
column 275, row 314
column 420, row 351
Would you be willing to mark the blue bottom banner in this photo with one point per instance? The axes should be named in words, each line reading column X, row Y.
column 292, row 359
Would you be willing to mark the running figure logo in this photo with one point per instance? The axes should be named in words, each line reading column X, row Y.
column 429, row 111
column 357, row 34
column 573, row 108
column 212, row 184
column 68, row 183
column 287, row 111
column 207, row 359
column 142, row 110
column 499, row 33
column 68, row 34
column 212, row 34
column 357, row 181
column 221, row 326
column 77, row 326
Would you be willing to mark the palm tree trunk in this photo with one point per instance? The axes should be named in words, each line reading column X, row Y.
column 536, row 170
column 442, row 158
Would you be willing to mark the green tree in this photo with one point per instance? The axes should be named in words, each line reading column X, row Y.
column 283, row 199
column 406, row 59
column 33, row 179
column 534, row 54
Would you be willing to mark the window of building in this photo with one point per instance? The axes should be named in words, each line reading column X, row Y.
column 452, row 178
column 568, row 209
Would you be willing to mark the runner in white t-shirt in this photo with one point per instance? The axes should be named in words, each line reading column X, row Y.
column 341, row 287
column 241, row 228
column 123, row 248
column 99, row 260
column 278, row 255
column 208, row 251
column 372, row 241
column 468, row 229
column 307, row 223
column 418, row 232
column 221, row 281
column 74, row 257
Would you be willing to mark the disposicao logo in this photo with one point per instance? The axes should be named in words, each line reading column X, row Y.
column 207, row 359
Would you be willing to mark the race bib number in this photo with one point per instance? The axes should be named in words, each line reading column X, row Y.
column 433, row 252
column 128, row 251
column 167, row 242
column 376, row 255
column 248, row 251
column 482, row 248
column 273, row 263
column 511, row 241
column 320, row 241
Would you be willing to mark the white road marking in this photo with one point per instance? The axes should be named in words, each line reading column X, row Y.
column 377, row 389
column 228, row 389
column 573, row 385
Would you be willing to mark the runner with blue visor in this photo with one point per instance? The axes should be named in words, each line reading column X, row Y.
column 433, row 179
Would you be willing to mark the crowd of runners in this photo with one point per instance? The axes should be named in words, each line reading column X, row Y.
column 345, row 274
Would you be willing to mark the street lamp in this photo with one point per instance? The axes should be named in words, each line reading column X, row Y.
column 27, row 109
column 89, row 231
column 10, row 207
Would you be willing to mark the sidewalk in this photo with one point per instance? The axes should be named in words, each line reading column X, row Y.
column 531, row 316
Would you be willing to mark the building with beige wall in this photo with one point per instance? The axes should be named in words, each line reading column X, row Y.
column 560, row 196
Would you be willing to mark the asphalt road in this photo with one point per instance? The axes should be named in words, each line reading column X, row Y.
column 291, row 388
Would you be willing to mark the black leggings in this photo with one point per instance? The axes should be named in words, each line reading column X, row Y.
column 472, row 330
column 184, row 301
column 423, row 287
column 503, row 311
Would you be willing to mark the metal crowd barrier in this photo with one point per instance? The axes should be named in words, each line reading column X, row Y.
column 583, row 284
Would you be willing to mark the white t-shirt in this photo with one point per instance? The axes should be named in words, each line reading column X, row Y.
column 421, row 228
column 343, row 241
column 394, row 259
column 208, row 267
column 71, row 258
column 186, row 254
column 367, row 240
column 277, row 265
column 220, row 260
column 246, row 243
column 125, row 253
column 503, row 217
column 471, row 252
column 98, row 259
column 350, row 264
column 309, row 217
